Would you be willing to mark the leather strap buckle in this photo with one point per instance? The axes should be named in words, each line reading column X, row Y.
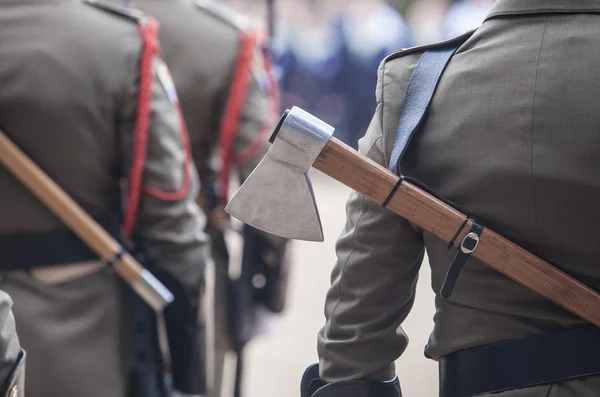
column 467, row 246
column 469, row 243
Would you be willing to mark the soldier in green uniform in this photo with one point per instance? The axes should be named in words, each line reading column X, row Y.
column 511, row 138
column 84, row 93
column 229, row 100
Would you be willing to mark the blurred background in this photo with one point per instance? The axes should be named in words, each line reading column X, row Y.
column 327, row 52
column 326, row 55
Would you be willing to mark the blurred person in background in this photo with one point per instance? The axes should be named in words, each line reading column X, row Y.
column 327, row 54
column 465, row 15
column 365, row 45
column 425, row 18
column 309, row 56
column 434, row 20
column 229, row 100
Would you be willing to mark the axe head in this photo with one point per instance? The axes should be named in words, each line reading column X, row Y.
column 277, row 197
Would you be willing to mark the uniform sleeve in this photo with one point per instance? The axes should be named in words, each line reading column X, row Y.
column 169, row 223
column 373, row 283
column 257, row 121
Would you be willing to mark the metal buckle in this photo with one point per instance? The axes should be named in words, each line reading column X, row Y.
column 472, row 238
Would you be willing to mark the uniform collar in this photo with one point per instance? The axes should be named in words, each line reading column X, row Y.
column 517, row 7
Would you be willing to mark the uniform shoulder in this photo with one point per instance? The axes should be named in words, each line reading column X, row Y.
column 422, row 48
column 130, row 13
column 224, row 14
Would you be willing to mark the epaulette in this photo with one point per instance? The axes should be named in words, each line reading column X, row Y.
column 425, row 47
column 131, row 13
column 225, row 14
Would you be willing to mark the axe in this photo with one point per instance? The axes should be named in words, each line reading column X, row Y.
column 148, row 287
column 278, row 198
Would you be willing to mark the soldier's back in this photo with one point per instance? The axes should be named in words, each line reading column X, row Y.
column 512, row 139
column 63, row 84
column 201, row 43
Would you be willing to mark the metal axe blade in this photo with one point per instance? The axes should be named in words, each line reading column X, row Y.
column 278, row 197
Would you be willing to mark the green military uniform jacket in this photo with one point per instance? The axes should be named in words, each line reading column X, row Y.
column 511, row 138
column 70, row 89
column 70, row 101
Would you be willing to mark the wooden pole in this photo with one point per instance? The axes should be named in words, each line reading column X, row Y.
column 84, row 226
column 424, row 210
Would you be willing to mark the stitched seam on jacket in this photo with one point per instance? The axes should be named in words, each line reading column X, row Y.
column 362, row 212
column 537, row 68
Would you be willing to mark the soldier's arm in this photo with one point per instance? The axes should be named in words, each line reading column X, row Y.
column 257, row 119
column 247, row 113
column 168, row 222
column 373, row 282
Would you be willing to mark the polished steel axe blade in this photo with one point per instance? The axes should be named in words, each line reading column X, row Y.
column 278, row 197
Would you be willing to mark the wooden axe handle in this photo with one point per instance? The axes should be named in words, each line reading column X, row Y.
column 429, row 213
column 67, row 210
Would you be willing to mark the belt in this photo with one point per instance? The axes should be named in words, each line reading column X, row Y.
column 23, row 251
column 516, row 364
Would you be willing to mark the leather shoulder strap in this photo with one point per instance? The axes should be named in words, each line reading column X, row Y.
column 421, row 87
column 131, row 13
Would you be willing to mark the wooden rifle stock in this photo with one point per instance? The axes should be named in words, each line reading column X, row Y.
column 86, row 228
column 429, row 213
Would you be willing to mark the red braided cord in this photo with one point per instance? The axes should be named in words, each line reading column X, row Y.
column 233, row 110
column 148, row 31
column 270, row 121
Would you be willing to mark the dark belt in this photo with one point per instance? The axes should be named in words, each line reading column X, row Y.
column 516, row 364
column 26, row 250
